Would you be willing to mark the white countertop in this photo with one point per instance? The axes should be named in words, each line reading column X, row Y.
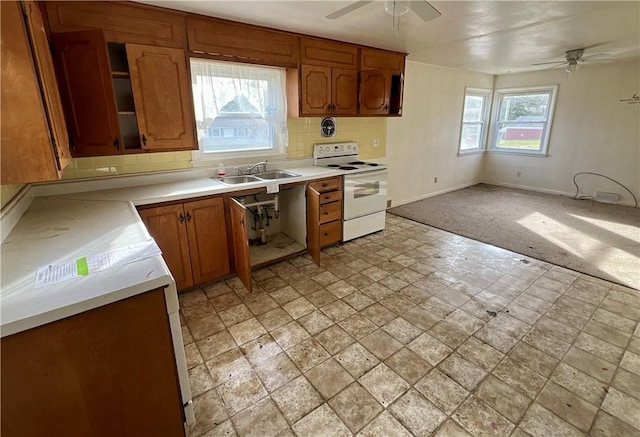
column 77, row 223
column 197, row 187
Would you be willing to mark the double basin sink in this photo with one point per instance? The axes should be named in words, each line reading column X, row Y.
column 260, row 177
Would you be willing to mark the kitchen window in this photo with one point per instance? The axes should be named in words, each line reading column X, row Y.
column 240, row 109
column 473, row 133
column 523, row 120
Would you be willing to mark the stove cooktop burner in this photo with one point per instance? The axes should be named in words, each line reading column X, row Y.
column 348, row 167
column 357, row 163
column 333, row 165
column 372, row 164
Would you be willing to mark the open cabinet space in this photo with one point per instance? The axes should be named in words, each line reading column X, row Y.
column 267, row 227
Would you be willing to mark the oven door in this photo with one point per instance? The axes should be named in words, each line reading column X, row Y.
column 365, row 193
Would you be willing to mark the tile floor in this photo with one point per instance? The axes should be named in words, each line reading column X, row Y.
column 414, row 331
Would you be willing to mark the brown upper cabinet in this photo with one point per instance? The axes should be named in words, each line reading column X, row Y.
column 34, row 144
column 328, row 77
column 328, row 53
column 381, row 82
column 326, row 90
column 228, row 40
column 120, row 22
column 123, row 97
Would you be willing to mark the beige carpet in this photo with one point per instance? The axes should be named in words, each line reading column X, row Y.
column 598, row 239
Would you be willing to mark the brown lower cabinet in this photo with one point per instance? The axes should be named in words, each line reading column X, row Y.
column 109, row 372
column 193, row 239
column 324, row 214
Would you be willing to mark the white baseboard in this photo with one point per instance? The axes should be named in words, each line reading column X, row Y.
column 529, row 188
column 435, row 193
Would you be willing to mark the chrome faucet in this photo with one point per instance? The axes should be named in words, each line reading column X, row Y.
column 261, row 164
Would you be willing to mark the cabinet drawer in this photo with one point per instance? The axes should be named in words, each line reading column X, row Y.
column 330, row 212
column 326, row 185
column 330, row 232
column 332, row 196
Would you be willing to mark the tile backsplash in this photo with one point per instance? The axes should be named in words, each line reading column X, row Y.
column 304, row 132
column 8, row 192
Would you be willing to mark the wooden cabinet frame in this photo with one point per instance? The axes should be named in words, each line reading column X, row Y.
column 159, row 83
column 193, row 238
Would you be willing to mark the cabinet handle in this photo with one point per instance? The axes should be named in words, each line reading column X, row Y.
column 181, row 218
column 326, row 213
column 326, row 234
column 144, row 140
column 386, row 107
column 116, row 143
column 188, row 217
column 327, row 197
column 325, row 185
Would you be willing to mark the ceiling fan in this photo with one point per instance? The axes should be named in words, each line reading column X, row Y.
column 395, row 8
column 573, row 57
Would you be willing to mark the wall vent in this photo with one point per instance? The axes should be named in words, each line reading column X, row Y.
column 604, row 197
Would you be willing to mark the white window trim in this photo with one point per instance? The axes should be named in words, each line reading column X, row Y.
column 239, row 157
column 487, row 94
column 544, row 146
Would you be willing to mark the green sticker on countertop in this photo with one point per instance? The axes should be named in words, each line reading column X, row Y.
column 82, row 267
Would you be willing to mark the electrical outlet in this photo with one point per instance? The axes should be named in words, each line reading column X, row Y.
column 518, row 174
column 376, row 143
column 435, row 180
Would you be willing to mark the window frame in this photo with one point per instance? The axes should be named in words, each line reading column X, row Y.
column 498, row 97
column 200, row 158
column 487, row 94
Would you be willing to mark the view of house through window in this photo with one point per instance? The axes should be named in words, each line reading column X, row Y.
column 523, row 119
column 239, row 108
column 474, row 119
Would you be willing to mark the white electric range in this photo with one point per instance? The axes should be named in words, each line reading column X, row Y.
column 364, row 188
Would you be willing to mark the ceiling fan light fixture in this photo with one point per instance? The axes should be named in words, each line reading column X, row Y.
column 397, row 8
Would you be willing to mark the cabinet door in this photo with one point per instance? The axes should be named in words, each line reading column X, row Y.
column 26, row 152
column 344, row 92
column 166, row 224
column 106, row 372
column 87, row 92
column 207, row 239
column 313, row 223
column 375, row 86
column 328, row 53
column 240, row 242
column 123, row 22
column 50, row 93
column 316, row 90
column 163, row 104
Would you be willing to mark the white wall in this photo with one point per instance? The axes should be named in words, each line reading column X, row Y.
column 423, row 143
column 592, row 131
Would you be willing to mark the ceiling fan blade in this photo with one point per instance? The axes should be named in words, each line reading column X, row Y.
column 424, row 10
column 344, row 11
column 547, row 63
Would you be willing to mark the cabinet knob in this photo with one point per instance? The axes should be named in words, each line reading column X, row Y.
column 188, row 217
column 326, row 213
column 325, row 185
column 181, row 218
column 386, row 107
column 326, row 234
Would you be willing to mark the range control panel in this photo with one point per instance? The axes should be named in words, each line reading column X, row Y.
column 331, row 150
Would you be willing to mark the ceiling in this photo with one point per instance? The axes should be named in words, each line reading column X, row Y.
column 495, row 37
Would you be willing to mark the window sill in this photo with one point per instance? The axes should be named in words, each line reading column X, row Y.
column 519, row 153
column 472, row 152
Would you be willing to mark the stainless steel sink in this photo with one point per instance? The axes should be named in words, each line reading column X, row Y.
column 277, row 174
column 234, row 180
